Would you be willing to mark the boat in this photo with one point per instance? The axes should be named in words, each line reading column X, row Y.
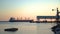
column 13, row 20
column 11, row 29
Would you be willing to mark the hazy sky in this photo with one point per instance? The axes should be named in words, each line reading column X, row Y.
column 27, row 8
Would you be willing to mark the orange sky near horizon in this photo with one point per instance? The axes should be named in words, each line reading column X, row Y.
column 28, row 8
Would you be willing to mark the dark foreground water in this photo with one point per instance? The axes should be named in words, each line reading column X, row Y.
column 27, row 28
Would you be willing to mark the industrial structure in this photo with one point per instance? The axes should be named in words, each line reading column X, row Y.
column 57, row 17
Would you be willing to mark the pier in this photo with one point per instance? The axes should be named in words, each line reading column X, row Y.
column 57, row 17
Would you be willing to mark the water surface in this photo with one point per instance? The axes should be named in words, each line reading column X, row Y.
column 27, row 28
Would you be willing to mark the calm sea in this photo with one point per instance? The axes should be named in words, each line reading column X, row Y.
column 27, row 28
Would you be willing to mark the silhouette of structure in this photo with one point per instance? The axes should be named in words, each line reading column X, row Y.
column 21, row 20
column 56, row 29
column 57, row 17
column 11, row 19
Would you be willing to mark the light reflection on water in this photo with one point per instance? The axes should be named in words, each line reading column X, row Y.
column 27, row 28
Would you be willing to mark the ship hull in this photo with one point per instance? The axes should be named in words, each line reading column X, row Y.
column 21, row 21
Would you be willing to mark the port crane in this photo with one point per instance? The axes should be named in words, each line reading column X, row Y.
column 57, row 17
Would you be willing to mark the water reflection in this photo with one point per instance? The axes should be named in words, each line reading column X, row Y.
column 28, row 28
column 44, row 28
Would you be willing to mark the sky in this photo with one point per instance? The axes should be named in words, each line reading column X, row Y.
column 27, row 8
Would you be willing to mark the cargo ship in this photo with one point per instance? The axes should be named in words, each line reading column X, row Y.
column 13, row 20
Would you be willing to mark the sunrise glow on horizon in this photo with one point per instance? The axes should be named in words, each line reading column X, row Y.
column 27, row 8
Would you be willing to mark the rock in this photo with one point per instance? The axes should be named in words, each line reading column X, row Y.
column 11, row 29
column 56, row 29
column 58, row 32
